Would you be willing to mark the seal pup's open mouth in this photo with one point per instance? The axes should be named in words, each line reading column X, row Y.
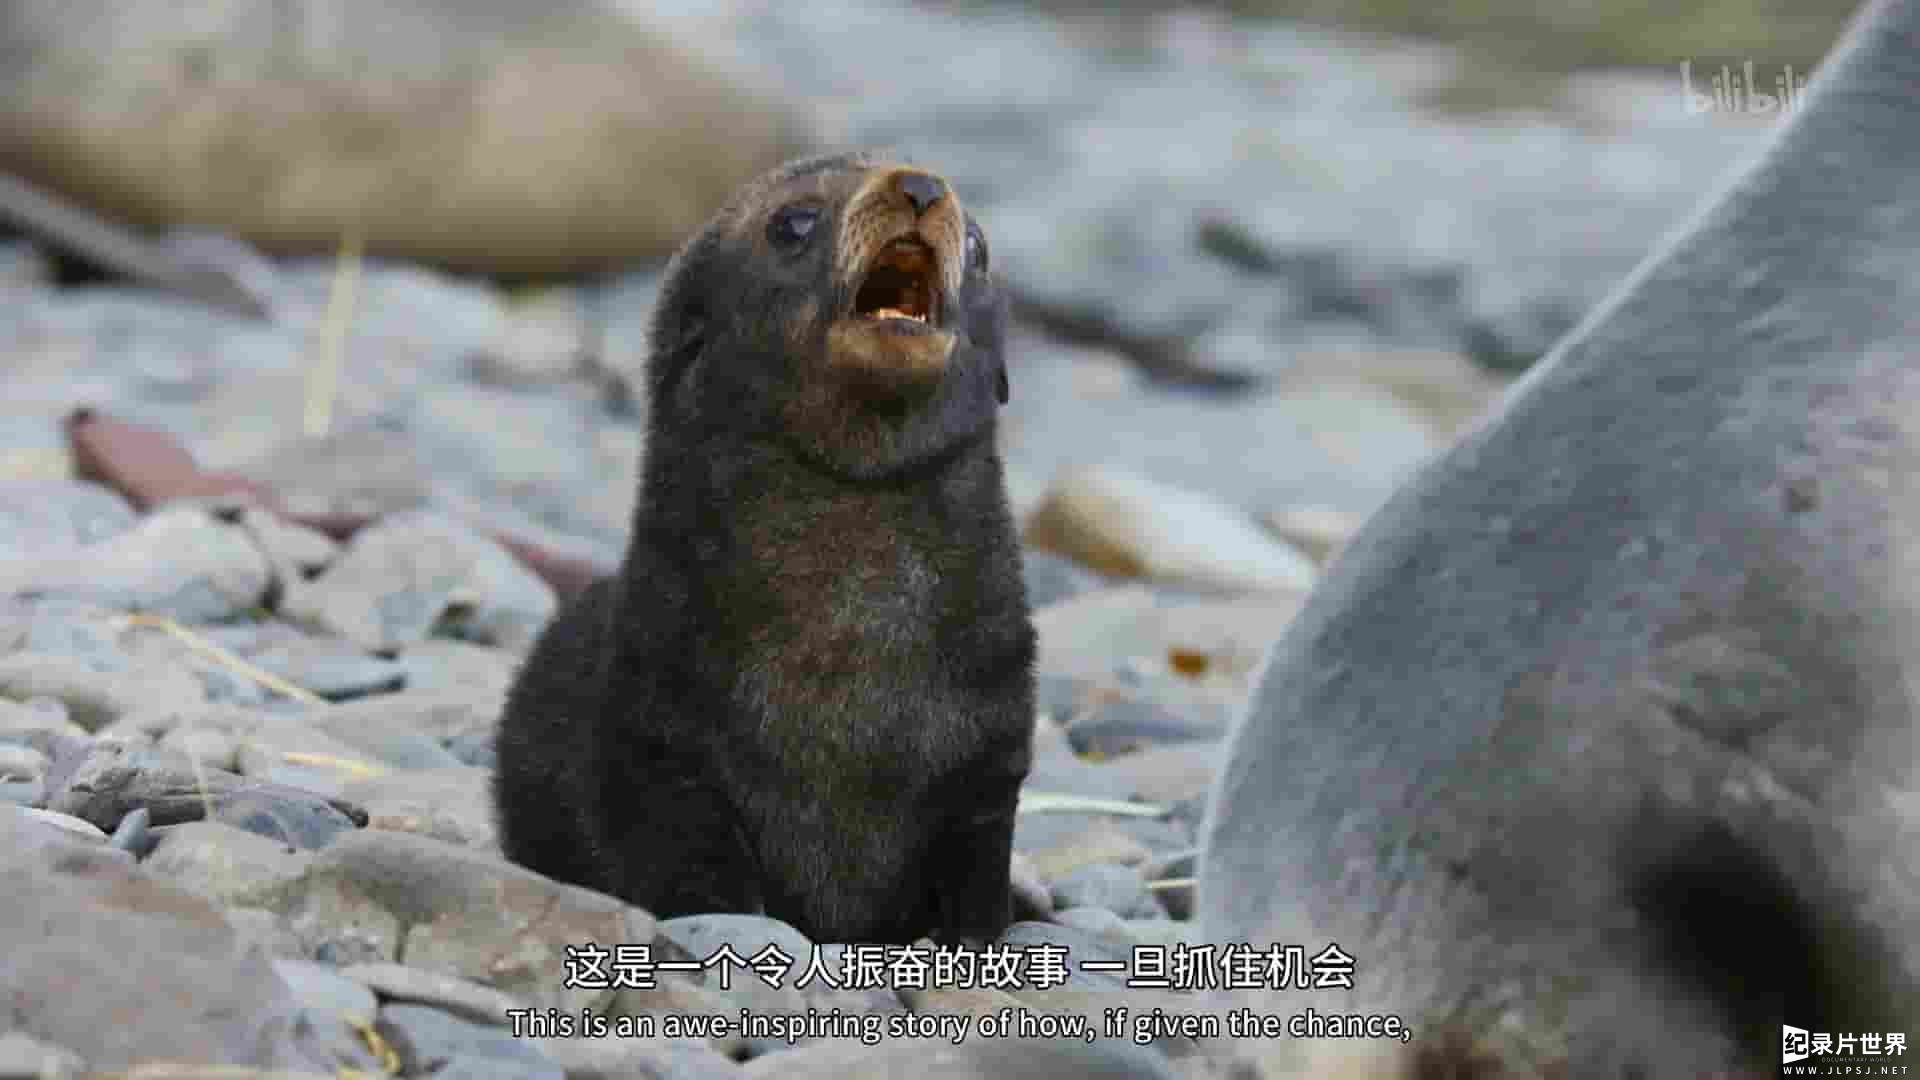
column 901, row 250
column 901, row 292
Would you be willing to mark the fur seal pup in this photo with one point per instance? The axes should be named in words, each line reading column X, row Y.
column 809, row 689
column 1597, row 748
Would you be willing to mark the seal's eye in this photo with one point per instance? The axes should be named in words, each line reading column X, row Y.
column 976, row 248
column 790, row 226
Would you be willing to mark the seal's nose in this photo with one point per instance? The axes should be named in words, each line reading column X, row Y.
column 921, row 189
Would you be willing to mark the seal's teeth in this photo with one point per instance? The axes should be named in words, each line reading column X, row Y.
column 896, row 313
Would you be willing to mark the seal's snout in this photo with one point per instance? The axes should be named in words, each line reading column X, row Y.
column 921, row 189
column 904, row 249
column 911, row 221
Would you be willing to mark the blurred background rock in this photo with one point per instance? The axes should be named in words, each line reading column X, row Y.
column 484, row 134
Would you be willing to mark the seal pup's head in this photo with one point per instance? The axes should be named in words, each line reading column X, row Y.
column 839, row 306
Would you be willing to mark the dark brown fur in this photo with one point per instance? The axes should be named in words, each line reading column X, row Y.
column 809, row 690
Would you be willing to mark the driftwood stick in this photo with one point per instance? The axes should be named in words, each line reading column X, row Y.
column 78, row 231
column 150, row 467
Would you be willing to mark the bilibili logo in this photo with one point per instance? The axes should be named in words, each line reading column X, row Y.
column 1740, row 91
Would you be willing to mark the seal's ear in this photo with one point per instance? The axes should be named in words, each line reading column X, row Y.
column 674, row 348
column 687, row 334
column 985, row 309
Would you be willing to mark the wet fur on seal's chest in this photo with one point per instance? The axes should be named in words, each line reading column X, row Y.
column 809, row 690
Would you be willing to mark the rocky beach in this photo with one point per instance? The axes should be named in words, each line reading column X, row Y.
column 246, row 699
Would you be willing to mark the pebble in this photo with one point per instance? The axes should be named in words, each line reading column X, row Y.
column 402, row 576
column 290, row 817
column 1210, row 455
column 679, row 996
column 224, row 863
column 748, row 936
column 542, row 342
column 1063, row 697
column 1126, row 525
column 1511, row 340
column 212, row 749
column 264, row 931
column 1029, row 889
column 440, row 664
column 1319, row 531
column 1173, row 864
column 332, row 668
column 462, row 997
column 613, row 1058
column 474, row 748
column 470, row 1067
column 1161, row 932
column 1097, row 921
column 21, row 763
column 289, row 751
column 178, row 561
column 134, row 834
column 23, row 265
column 359, row 469
column 1168, row 774
column 294, row 817
column 40, row 519
column 1051, row 578
column 1187, row 814
column 328, row 991
column 116, row 965
column 435, row 1042
column 91, row 698
column 112, row 779
column 972, row 1059
column 1119, row 889
column 22, row 792
column 1057, row 771
column 1060, row 843
column 1118, row 726
column 1445, row 388
column 973, row 1001
column 161, row 721
column 27, row 1058
column 62, row 746
column 1080, row 946
column 451, row 803
column 1365, row 429
column 374, row 895
column 372, row 733
column 74, row 826
column 440, row 715
column 295, row 552
column 1174, row 650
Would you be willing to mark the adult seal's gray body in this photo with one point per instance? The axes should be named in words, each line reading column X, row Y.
column 1597, row 748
